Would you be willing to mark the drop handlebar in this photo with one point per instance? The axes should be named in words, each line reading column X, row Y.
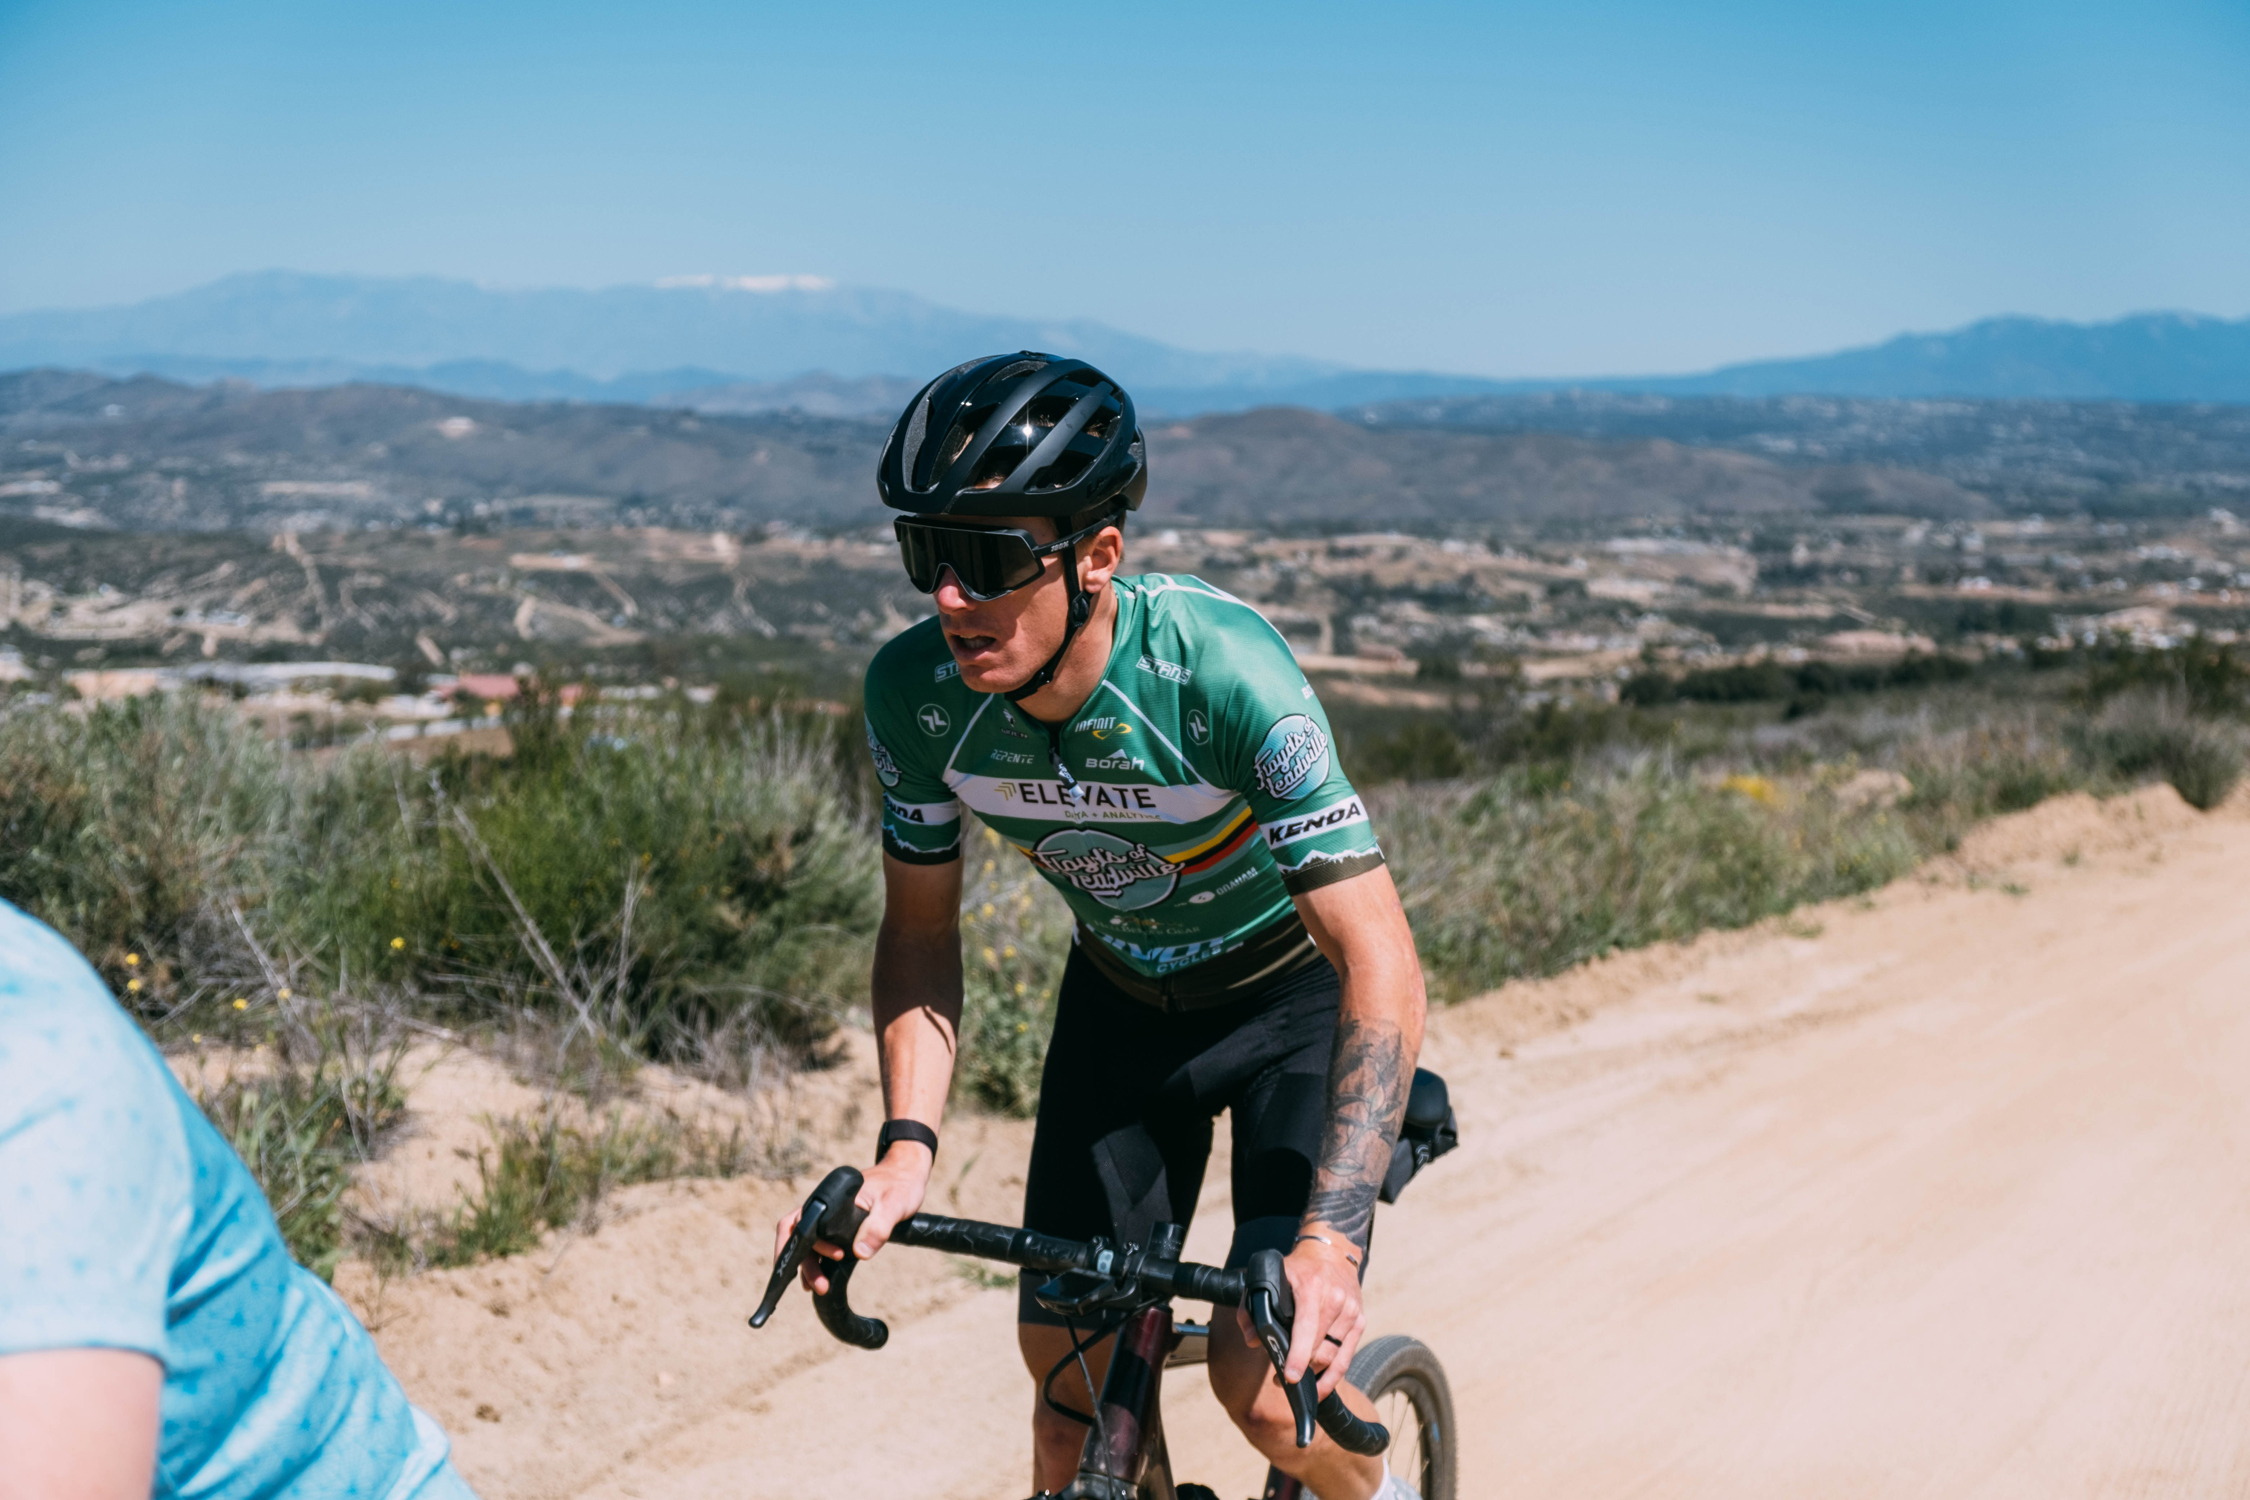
column 832, row 1215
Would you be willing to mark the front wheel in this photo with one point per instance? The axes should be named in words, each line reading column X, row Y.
column 1407, row 1384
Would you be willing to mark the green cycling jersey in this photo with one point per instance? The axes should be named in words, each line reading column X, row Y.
column 1177, row 811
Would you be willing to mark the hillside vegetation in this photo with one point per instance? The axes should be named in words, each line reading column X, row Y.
column 697, row 886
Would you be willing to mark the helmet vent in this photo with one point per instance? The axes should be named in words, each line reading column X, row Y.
column 963, row 431
column 999, row 462
column 911, row 447
column 1063, row 472
column 1019, row 368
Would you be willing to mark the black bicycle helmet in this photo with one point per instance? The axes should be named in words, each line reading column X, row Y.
column 1022, row 434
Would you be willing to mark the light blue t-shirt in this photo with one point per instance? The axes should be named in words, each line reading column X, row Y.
column 127, row 1222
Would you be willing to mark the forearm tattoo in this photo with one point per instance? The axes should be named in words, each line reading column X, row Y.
column 1367, row 1083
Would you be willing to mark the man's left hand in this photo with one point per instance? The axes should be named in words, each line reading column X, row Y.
column 1330, row 1315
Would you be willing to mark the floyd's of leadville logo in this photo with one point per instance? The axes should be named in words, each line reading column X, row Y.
column 933, row 719
column 1335, row 815
column 886, row 769
column 1120, row 874
column 1293, row 759
column 1198, row 727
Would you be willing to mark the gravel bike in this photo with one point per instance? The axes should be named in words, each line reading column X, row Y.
column 1126, row 1291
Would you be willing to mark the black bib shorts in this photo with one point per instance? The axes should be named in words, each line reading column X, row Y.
column 1127, row 1099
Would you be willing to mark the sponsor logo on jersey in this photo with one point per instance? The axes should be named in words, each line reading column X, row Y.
column 1171, row 672
column 1119, row 873
column 1118, row 762
column 1321, row 820
column 1165, row 960
column 1202, row 896
column 1086, row 798
column 924, row 813
column 1243, row 879
column 886, row 769
column 1095, row 801
column 1013, row 757
column 946, row 670
column 1198, row 727
column 1293, row 759
column 934, row 720
column 1102, row 728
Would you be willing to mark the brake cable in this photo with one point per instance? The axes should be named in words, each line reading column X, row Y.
column 1078, row 1348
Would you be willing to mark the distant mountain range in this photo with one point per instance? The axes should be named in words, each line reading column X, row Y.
column 148, row 454
column 749, row 344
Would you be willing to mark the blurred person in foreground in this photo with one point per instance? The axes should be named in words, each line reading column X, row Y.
column 156, row 1338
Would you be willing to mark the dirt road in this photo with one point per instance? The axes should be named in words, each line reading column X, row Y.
column 1943, row 1194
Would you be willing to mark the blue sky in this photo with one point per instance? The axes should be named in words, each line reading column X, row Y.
column 1499, row 189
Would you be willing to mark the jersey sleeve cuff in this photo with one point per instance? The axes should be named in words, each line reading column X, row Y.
column 907, row 854
column 1319, row 870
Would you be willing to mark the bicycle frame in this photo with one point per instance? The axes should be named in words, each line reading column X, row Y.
column 1125, row 1456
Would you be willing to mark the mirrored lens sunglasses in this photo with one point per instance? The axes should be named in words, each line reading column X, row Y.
column 989, row 562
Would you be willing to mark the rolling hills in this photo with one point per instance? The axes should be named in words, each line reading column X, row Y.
column 147, row 454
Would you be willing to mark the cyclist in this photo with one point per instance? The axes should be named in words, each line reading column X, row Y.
column 155, row 1336
column 1151, row 747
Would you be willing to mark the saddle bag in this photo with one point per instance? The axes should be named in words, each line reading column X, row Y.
column 1426, row 1134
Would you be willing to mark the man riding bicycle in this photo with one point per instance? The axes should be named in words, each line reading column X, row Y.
column 1150, row 744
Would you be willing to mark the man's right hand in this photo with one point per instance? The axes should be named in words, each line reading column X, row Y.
column 893, row 1190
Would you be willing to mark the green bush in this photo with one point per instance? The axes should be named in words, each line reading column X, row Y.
column 1501, row 882
column 1418, row 752
column 2142, row 736
column 544, row 1174
column 116, row 823
column 665, row 876
column 1808, row 684
column 2203, row 676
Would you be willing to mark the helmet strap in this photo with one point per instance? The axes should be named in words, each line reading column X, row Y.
column 1081, row 610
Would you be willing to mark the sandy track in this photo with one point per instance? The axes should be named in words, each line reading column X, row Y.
column 1941, row 1194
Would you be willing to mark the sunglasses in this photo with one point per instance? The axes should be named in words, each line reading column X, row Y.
column 987, row 561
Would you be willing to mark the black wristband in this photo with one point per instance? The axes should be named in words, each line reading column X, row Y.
column 904, row 1130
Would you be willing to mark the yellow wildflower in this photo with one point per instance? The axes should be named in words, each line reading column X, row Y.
column 133, row 986
column 132, row 960
column 1009, row 951
column 240, row 1003
column 398, row 942
column 1756, row 788
column 283, row 992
